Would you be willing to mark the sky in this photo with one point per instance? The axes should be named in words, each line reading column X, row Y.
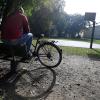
column 82, row 6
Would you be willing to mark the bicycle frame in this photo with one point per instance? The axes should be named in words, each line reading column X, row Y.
column 35, row 47
column 36, row 44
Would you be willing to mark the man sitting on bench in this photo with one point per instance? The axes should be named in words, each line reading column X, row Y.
column 15, row 30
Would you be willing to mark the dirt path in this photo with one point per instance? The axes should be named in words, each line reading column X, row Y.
column 78, row 78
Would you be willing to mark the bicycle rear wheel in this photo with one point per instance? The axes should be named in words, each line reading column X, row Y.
column 49, row 54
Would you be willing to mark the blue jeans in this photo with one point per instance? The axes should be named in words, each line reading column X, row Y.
column 25, row 39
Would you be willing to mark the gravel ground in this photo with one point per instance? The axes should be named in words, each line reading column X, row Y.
column 78, row 78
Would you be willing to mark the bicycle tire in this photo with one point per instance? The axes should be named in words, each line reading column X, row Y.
column 50, row 57
column 31, row 84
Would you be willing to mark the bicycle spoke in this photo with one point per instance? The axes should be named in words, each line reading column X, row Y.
column 42, row 55
column 48, row 55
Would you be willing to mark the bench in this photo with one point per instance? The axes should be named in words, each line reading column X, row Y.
column 13, row 50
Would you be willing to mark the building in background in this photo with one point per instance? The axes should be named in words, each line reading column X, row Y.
column 88, row 32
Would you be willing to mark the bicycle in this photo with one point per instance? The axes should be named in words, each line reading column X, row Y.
column 48, row 53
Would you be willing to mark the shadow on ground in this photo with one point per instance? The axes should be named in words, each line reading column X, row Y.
column 27, row 84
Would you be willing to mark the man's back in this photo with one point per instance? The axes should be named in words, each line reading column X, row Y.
column 14, row 26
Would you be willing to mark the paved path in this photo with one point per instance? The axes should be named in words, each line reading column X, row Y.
column 76, row 43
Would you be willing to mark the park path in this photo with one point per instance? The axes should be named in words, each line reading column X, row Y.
column 75, row 43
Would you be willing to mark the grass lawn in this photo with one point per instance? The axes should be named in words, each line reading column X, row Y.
column 81, row 51
column 1, row 98
column 97, row 41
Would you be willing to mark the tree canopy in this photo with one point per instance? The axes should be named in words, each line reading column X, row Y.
column 46, row 16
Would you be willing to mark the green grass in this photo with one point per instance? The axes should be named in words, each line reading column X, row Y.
column 1, row 98
column 97, row 41
column 81, row 51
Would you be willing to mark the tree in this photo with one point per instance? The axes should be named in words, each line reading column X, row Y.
column 40, row 21
column 76, row 24
column 45, row 15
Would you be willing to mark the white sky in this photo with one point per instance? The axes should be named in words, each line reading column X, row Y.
column 82, row 6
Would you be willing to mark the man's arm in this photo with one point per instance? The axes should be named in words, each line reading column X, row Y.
column 26, row 28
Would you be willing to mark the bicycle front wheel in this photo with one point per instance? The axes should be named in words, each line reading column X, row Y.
column 49, row 54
